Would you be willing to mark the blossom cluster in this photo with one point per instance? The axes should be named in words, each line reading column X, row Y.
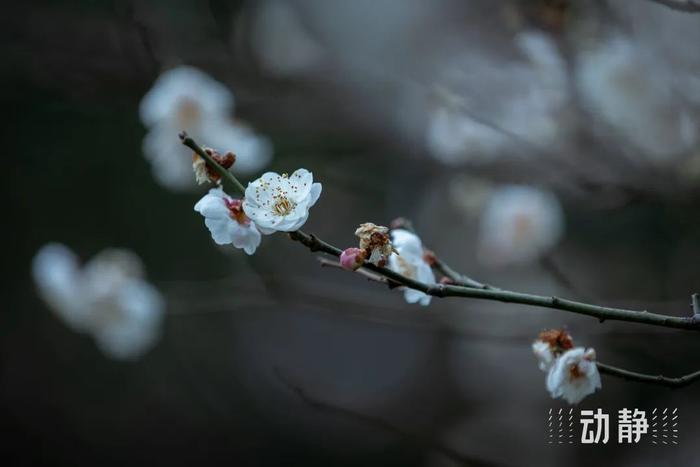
column 399, row 249
column 572, row 373
column 272, row 203
column 106, row 298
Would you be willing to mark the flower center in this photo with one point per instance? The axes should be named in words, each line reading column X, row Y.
column 575, row 372
column 188, row 112
column 282, row 206
column 406, row 268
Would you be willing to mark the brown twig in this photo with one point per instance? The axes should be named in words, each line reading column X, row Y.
column 602, row 313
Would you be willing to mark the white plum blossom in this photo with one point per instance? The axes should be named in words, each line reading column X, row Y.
column 281, row 203
column 518, row 224
column 544, row 354
column 107, row 298
column 409, row 261
column 228, row 224
column 185, row 98
column 626, row 89
column 574, row 375
column 517, row 102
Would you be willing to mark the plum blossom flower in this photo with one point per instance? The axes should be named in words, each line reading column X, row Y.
column 375, row 240
column 409, row 261
column 574, row 375
column 526, row 101
column 621, row 82
column 185, row 98
column 107, row 298
column 228, row 224
column 281, row 203
column 352, row 259
column 518, row 224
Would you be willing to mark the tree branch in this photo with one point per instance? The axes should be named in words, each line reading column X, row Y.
column 660, row 380
column 688, row 6
column 225, row 174
column 481, row 291
column 439, row 265
column 315, row 244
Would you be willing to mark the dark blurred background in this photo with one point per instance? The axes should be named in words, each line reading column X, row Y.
column 271, row 360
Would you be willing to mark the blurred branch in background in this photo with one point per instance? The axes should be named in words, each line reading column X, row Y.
column 689, row 6
column 380, row 424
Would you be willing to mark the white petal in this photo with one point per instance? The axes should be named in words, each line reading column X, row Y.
column 300, row 181
column 407, row 244
column 315, row 193
column 220, row 229
column 560, row 384
column 416, row 296
column 212, row 206
column 57, row 275
column 246, row 237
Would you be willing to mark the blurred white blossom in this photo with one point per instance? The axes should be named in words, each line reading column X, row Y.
column 228, row 224
column 185, row 98
column 625, row 89
column 281, row 202
column 495, row 105
column 518, row 224
column 280, row 40
column 108, row 298
column 574, row 375
column 409, row 261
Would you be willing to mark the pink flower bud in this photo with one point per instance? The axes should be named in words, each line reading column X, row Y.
column 352, row 258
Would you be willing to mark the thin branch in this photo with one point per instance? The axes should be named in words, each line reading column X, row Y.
column 459, row 278
column 225, row 174
column 688, row 6
column 441, row 266
column 379, row 423
column 315, row 244
column 660, row 380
